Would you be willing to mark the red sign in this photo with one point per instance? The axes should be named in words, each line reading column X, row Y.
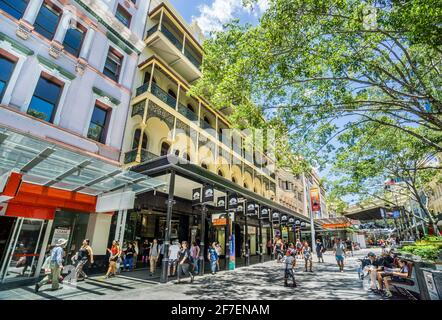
column 314, row 197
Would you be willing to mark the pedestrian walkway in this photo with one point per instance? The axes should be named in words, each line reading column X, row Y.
column 260, row 281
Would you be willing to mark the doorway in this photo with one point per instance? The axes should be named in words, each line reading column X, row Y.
column 6, row 227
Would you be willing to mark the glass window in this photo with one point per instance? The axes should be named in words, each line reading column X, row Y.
column 15, row 8
column 72, row 41
column 112, row 66
column 123, row 16
column 45, row 99
column 136, row 141
column 6, row 69
column 165, row 148
column 46, row 22
column 97, row 127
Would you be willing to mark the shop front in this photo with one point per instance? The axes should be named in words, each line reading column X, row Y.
column 49, row 192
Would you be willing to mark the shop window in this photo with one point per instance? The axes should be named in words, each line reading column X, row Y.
column 123, row 16
column 47, row 21
column 98, row 125
column 6, row 69
column 45, row 99
column 73, row 40
column 112, row 66
column 136, row 141
column 165, row 148
column 15, row 8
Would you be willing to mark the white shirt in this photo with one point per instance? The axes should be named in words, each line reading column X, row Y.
column 174, row 249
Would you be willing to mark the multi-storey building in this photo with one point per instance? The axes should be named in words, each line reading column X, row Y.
column 290, row 191
column 66, row 72
column 186, row 143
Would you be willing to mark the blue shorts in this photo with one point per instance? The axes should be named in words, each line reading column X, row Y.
column 339, row 257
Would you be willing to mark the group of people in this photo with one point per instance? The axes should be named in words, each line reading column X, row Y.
column 385, row 269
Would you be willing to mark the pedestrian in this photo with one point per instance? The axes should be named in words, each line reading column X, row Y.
column 289, row 263
column 320, row 249
column 154, row 254
column 114, row 253
column 84, row 255
column 145, row 252
column 184, row 261
column 128, row 257
column 55, row 264
column 307, row 253
column 218, row 252
column 299, row 248
column 339, row 250
column 174, row 249
column 269, row 247
column 278, row 249
column 161, row 244
column 136, row 252
column 349, row 245
column 212, row 257
column 195, row 254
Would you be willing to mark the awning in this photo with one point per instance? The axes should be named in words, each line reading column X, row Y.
column 50, row 167
column 373, row 213
column 164, row 164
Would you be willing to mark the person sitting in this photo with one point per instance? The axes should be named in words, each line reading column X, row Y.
column 395, row 275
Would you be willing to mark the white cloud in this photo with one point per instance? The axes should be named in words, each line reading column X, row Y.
column 212, row 17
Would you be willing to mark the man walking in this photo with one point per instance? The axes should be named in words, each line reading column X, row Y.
column 319, row 250
column 184, row 262
column 56, row 264
column 153, row 256
column 339, row 250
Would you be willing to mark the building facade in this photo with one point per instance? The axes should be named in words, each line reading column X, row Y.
column 66, row 72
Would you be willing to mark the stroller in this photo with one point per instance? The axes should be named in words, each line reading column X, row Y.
column 362, row 264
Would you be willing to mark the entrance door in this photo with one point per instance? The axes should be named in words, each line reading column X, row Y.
column 6, row 227
column 25, row 250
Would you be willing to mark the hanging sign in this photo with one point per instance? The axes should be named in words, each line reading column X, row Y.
column 60, row 233
column 284, row 218
column 265, row 213
column 251, row 209
column 196, row 196
column 291, row 221
column 233, row 202
column 221, row 202
column 314, row 196
column 275, row 217
column 240, row 208
column 208, row 194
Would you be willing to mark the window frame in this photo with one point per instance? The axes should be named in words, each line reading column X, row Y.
column 84, row 30
column 119, row 55
column 13, row 8
column 55, row 81
column 105, row 131
column 119, row 6
column 53, row 8
column 7, row 56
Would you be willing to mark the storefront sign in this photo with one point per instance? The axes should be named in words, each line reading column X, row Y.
column 265, row 213
column 60, row 233
column 297, row 223
column 251, row 209
column 335, row 225
column 275, row 217
column 284, row 219
column 208, row 194
column 221, row 202
column 219, row 222
column 196, row 196
column 314, row 196
column 233, row 202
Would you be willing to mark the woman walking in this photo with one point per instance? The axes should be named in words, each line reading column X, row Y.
column 84, row 255
column 218, row 252
column 154, row 254
column 278, row 249
column 115, row 253
column 307, row 252
column 195, row 254
column 128, row 257
column 212, row 257
column 145, row 253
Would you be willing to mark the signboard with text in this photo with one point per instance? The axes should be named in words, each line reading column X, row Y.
column 314, row 197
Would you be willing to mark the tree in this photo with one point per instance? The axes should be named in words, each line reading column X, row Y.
column 314, row 64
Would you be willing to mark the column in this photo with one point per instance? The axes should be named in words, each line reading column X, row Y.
column 170, row 202
column 60, row 33
column 246, row 245
column 98, row 231
column 203, row 237
column 228, row 234
column 260, row 240
column 87, row 43
column 26, row 23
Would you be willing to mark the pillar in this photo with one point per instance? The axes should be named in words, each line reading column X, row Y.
column 26, row 23
column 87, row 43
column 97, row 232
column 246, row 238
column 260, row 241
column 170, row 202
column 57, row 43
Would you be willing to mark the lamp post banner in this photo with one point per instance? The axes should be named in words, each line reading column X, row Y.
column 264, row 213
column 221, row 202
column 196, row 196
column 233, row 202
column 208, row 194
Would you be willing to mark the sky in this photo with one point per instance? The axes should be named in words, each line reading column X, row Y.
column 212, row 14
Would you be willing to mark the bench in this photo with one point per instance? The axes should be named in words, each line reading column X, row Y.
column 410, row 283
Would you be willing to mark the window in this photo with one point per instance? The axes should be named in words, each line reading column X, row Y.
column 189, row 106
column 204, row 166
column 47, row 22
column 233, row 179
column 45, row 99
column 6, row 69
column 15, row 8
column 112, row 67
column 97, row 127
column 147, row 78
column 73, row 40
column 186, row 156
column 171, row 93
column 136, row 141
column 165, row 148
column 220, row 173
column 123, row 16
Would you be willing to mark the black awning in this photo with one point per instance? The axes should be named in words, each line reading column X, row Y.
column 182, row 167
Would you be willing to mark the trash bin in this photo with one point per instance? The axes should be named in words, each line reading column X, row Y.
column 433, row 283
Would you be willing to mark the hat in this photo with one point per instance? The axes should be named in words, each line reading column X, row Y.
column 61, row 242
column 371, row 254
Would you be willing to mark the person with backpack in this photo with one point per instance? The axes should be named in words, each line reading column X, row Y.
column 195, row 255
column 184, row 261
column 289, row 263
column 320, row 249
column 84, row 255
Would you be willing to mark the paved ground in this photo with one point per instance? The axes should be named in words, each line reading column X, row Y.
column 261, row 281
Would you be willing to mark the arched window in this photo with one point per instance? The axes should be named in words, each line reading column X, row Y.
column 204, row 165
column 177, row 152
column 246, row 185
column 136, row 140
column 206, row 119
column 165, row 148
column 220, row 173
column 147, row 78
column 255, row 190
column 172, row 93
column 186, row 156
column 189, row 106
column 233, row 179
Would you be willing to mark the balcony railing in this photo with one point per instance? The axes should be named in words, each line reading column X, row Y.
column 151, row 31
column 142, row 89
column 192, row 59
column 206, row 126
column 169, row 35
column 163, row 95
column 146, row 155
column 189, row 114
column 138, row 109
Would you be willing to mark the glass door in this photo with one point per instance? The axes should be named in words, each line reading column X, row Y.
column 24, row 250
